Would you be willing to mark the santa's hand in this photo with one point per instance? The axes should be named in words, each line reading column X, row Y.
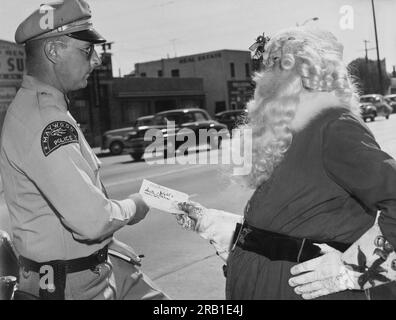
column 323, row 275
column 191, row 219
column 214, row 225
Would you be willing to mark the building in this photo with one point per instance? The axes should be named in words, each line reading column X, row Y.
column 136, row 97
column 111, row 103
column 226, row 76
column 12, row 68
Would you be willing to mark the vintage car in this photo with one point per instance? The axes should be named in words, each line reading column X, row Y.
column 114, row 139
column 368, row 111
column 383, row 108
column 391, row 99
column 192, row 119
column 231, row 118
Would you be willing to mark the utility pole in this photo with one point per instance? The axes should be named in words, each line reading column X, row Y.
column 378, row 56
column 365, row 49
column 174, row 46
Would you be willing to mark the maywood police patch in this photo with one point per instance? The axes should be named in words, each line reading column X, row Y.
column 57, row 134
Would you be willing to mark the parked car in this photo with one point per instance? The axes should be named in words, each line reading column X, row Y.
column 391, row 99
column 192, row 118
column 378, row 100
column 114, row 139
column 231, row 118
column 368, row 111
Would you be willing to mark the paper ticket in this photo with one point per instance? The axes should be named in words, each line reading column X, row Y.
column 162, row 198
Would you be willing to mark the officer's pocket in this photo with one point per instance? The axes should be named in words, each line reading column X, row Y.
column 89, row 284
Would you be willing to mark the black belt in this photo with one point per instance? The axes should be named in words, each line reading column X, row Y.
column 276, row 246
column 60, row 269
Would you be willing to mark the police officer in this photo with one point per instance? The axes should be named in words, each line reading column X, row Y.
column 62, row 221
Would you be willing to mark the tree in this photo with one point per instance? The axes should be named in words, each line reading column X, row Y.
column 365, row 74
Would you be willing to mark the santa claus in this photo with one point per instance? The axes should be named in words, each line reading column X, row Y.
column 320, row 179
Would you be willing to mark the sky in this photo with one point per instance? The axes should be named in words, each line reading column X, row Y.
column 146, row 30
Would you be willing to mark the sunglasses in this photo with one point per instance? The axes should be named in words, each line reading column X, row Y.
column 88, row 51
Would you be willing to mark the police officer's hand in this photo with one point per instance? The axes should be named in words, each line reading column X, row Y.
column 141, row 208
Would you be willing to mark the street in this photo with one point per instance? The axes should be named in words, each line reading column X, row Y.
column 184, row 265
column 180, row 262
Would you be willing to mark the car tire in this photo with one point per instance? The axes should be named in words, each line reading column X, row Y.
column 116, row 148
column 365, row 119
column 136, row 155
column 372, row 119
column 387, row 117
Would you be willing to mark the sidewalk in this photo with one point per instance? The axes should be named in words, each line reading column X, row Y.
column 201, row 280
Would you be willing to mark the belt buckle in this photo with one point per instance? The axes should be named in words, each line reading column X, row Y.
column 101, row 256
column 242, row 232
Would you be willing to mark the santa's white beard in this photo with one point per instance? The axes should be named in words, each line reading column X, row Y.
column 269, row 116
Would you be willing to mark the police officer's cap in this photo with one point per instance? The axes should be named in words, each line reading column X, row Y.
column 68, row 17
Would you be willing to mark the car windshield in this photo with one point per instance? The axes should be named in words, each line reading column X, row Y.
column 366, row 99
column 370, row 99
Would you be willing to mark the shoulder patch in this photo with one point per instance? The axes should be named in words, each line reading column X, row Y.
column 57, row 134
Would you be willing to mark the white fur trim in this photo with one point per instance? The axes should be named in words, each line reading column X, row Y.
column 310, row 106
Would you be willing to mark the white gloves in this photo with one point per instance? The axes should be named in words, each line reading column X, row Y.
column 324, row 275
column 214, row 225
column 369, row 262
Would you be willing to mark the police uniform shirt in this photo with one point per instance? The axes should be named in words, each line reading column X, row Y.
column 51, row 181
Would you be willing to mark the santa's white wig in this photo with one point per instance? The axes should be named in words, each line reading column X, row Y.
column 297, row 62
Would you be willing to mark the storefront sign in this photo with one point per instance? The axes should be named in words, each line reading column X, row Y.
column 12, row 61
column 239, row 93
column 201, row 57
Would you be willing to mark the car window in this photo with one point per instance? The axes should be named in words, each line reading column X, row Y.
column 144, row 122
column 177, row 118
column 188, row 117
column 200, row 116
column 159, row 120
